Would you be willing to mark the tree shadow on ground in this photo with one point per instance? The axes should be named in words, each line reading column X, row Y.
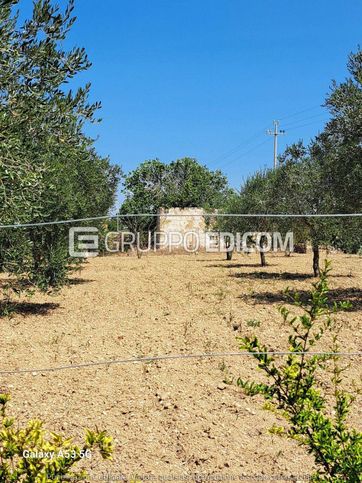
column 14, row 284
column 272, row 275
column 79, row 281
column 351, row 294
column 28, row 308
column 281, row 275
column 237, row 265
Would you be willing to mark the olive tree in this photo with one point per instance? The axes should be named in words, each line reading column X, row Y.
column 49, row 168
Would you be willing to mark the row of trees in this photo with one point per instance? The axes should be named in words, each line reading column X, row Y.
column 323, row 177
column 49, row 169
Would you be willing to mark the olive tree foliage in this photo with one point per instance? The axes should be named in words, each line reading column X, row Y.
column 297, row 190
column 338, row 151
column 338, row 148
column 182, row 183
column 326, row 176
column 292, row 188
column 322, row 178
column 49, row 168
column 144, row 190
column 254, row 198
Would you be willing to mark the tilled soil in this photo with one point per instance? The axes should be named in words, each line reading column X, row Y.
column 170, row 418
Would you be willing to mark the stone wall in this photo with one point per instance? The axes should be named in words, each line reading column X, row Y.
column 189, row 222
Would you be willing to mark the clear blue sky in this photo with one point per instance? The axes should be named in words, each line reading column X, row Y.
column 201, row 77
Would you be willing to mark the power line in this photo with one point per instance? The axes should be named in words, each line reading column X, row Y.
column 169, row 357
column 242, row 144
column 322, row 114
column 305, row 125
column 264, row 142
column 300, row 112
column 233, row 150
column 242, row 155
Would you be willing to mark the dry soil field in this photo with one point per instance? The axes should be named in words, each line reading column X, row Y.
column 168, row 418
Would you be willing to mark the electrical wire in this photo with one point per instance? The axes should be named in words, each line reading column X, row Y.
column 287, row 126
column 242, row 144
column 244, row 154
column 300, row 112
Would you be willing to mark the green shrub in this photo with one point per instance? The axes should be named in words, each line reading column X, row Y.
column 294, row 389
column 22, row 451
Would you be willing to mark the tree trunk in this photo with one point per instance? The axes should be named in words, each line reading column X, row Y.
column 262, row 259
column 316, row 270
column 262, row 253
column 229, row 253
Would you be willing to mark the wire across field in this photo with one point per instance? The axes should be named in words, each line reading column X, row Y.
column 173, row 413
column 180, row 215
column 174, row 357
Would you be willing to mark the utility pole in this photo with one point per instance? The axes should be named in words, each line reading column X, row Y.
column 277, row 132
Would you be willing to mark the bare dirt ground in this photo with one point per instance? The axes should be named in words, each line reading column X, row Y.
column 169, row 418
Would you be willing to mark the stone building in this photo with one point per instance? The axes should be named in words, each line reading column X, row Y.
column 184, row 229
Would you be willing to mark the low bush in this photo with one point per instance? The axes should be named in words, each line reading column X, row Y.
column 317, row 418
column 33, row 455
